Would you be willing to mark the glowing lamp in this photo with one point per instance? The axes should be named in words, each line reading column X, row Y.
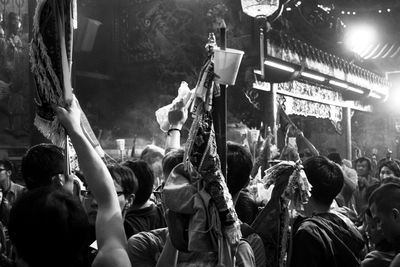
column 260, row 8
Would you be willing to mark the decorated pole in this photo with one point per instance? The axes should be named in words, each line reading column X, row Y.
column 51, row 64
column 219, row 112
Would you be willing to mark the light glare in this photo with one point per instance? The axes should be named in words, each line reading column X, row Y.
column 359, row 37
column 313, row 76
column 279, row 66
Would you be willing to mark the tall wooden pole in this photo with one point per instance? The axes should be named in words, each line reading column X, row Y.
column 348, row 133
column 219, row 112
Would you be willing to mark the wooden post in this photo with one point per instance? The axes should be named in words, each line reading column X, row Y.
column 219, row 112
column 274, row 104
column 347, row 115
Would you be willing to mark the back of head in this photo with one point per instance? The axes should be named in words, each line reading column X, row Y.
column 239, row 165
column 246, row 208
column 49, row 228
column 124, row 177
column 40, row 164
column 170, row 160
column 335, row 157
column 326, row 179
column 152, row 153
column 145, row 179
column 386, row 197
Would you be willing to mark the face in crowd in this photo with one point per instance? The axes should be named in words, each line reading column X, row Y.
column 386, row 173
column 5, row 175
column 386, row 222
column 90, row 204
column 362, row 168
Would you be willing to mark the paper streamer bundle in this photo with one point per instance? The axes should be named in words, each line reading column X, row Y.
column 291, row 191
column 51, row 59
column 51, row 62
column 201, row 149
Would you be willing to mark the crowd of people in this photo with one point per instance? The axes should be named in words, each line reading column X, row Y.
column 115, row 215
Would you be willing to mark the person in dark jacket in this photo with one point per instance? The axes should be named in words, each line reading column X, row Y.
column 322, row 237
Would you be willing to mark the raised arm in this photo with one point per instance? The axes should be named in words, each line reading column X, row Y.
column 309, row 145
column 109, row 224
column 177, row 117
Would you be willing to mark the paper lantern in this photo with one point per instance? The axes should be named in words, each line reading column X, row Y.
column 260, row 8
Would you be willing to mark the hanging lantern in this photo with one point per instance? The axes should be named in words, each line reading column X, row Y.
column 260, row 8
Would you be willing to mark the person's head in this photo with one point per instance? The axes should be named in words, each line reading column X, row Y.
column 153, row 156
column 388, row 169
column 335, row 157
column 363, row 166
column 384, row 204
column 170, row 160
column 326, row 179
column 375, row 234
column 145, row 179
column 239, row 165
column 6, row 170
column 126, row 184
column 246, row 208
column 42, row 165
column 49, row 228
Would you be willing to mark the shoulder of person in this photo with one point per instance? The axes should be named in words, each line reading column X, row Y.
column 257, row 246
column 244, row 254
column 396, row 261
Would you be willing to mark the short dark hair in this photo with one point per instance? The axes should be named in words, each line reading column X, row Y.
column 171, row 159
column 246, row 208
column 385, row 197
column 335, row 157
column 239, row 166
column 392, row 165
column 49, row 228
column 40, row 164
column 326, row 178
column 364, row 159
column 125, row 177
column 145, row 179
column 151, row 153
column 7, row 165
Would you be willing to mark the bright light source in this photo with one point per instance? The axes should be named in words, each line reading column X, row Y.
column 355, row 90
column 354, row 13
column 288, row 9
column 298, row 3
column 380, row 11
column 313, row 76
column 339, row 84
column 343, row 12
column 279, row 66
column 375, row 95
column 348, row 12
column 359, row 37
column 388, row 10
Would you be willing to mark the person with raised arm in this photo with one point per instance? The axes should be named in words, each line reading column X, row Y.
column 110, row 232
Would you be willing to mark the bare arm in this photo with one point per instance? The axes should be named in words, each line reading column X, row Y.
column 309, row 145
column 109, row 227
column 176, row 118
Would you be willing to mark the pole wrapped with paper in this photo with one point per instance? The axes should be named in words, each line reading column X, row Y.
column 51, row 64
